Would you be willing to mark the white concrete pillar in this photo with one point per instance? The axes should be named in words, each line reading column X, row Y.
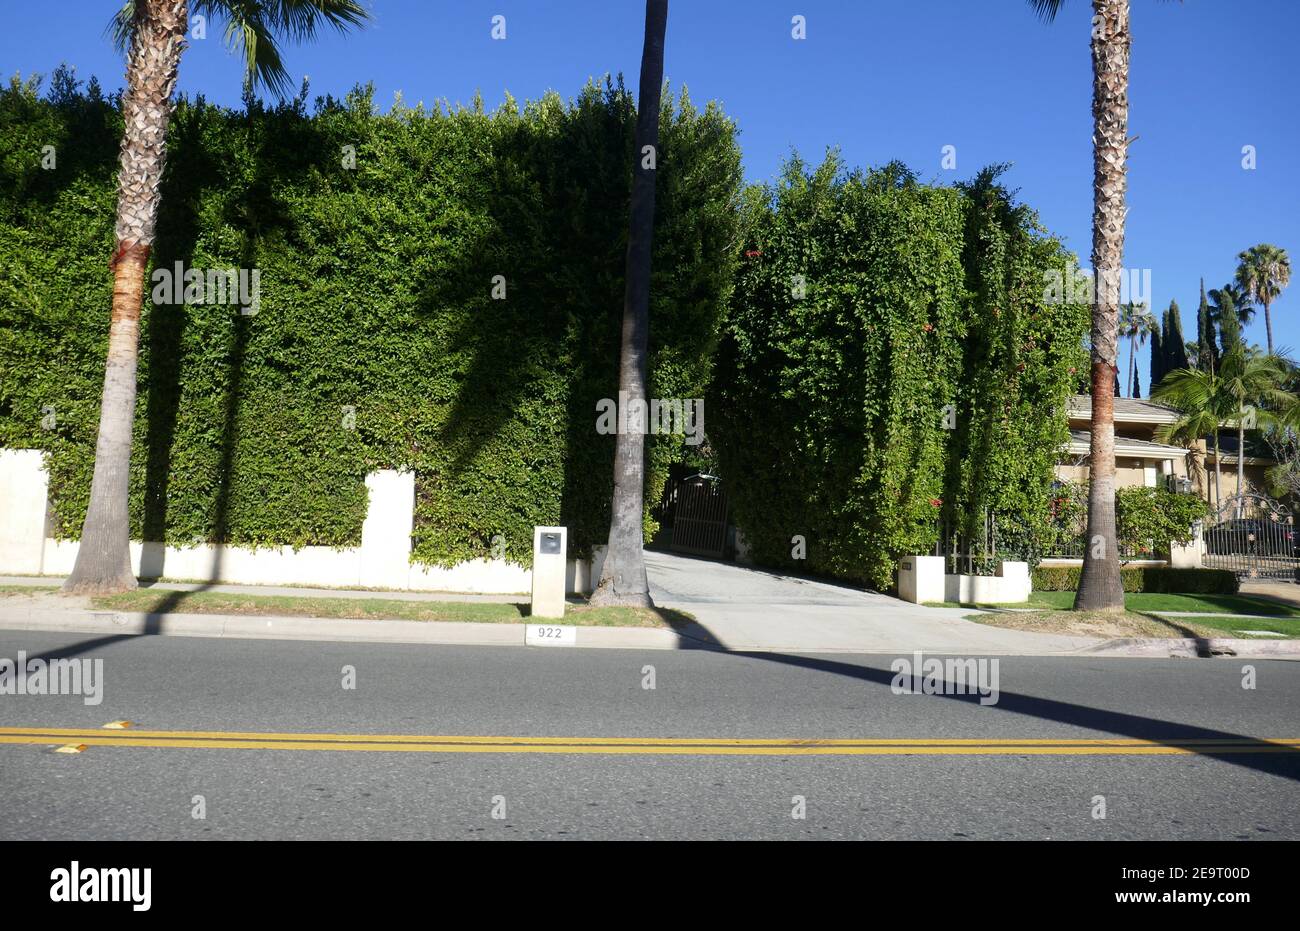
column 1017, row 582
column 920, row 579
column 386, row 533
column 24, row 494
column 1192, row 554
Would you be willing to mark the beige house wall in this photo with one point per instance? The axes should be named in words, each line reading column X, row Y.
column 1256, row 480
column 1130, row 471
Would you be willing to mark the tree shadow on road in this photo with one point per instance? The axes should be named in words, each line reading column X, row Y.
column 1259, row 756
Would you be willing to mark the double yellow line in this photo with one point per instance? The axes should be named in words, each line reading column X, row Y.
column 704, row 746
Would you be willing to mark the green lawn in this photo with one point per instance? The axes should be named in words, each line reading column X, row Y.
column 1146, row 615
column 1152, row 602
column 184, row 602
column 26, row 589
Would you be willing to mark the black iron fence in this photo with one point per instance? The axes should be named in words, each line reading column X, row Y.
column 1254, row 537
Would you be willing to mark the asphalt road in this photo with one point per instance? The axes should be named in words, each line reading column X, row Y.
column 987, row 791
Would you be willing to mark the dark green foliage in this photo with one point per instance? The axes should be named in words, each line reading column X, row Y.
column 828, row 410
column 1173, row 346
column 1225, row 311
column 1158, row 354
column 376, row 295
column 1162, row 580
column 1147, row 520
column 1207, row 348
column 1145, row 515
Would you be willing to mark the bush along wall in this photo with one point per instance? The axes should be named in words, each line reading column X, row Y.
column 1163, row 580
column 1148, row 520
column 441, row 290
column 891, row 359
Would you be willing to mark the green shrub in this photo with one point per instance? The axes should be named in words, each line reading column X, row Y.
column 378, row 343
column 889, row 360
column 1159, row 579
column 1156, row 515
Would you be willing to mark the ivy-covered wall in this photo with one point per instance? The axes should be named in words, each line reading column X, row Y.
column 890, row 360
column 378, row 342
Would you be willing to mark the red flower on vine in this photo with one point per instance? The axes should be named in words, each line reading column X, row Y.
column 928, row 327
column 936, row 502
column 750, row 253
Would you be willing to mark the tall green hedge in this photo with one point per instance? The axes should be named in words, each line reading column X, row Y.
column 376, row 296
column 918, row 375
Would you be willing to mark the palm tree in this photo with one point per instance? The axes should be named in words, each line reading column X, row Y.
column 1100, row 588
column 153, row 34
column 1248, row 390
column 1203, row 405
column 1264, row 271
column 1253, row 385
column 1137, row 323
column 623, row 579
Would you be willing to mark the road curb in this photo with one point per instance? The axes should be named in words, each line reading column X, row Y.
column 471, row 633
column 1196, row 648
column 252, row 627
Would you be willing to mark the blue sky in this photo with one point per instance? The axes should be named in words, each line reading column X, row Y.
column 880, row 79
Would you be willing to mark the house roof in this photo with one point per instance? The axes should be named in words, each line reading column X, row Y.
column 1127, row 410
column 1125, row 446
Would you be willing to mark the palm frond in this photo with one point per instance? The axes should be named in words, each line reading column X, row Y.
column 255, row 28
column 1046, row 9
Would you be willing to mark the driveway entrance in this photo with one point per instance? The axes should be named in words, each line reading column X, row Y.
column 746, row 608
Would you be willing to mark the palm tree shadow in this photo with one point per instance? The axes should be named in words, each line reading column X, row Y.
column 257, row 210
column 1268, row 759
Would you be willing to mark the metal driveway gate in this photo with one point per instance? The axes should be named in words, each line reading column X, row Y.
column 700, row 520
column 1254, row 537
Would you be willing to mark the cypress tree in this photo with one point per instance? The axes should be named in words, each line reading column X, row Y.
column 1229, row 324
column 1159, row 352
column 1175, row 347
column 1208, row 352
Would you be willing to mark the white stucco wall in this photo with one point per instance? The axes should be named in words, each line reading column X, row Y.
column 921, row 580
column 381, row 561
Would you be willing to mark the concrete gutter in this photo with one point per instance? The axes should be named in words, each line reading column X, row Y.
column 1240, row 647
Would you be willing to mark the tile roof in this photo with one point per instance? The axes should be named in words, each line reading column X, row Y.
column 1127, row 446
column 1132, row 409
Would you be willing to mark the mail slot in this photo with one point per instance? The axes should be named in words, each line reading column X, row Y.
column 550, row 543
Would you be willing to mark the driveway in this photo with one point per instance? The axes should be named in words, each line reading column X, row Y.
column 745, row 608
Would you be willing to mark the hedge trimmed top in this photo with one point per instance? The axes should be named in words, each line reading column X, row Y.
column 378, row 343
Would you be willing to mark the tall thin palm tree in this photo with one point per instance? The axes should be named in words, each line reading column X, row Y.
column 623, row 578
column 1100, row 587
column 152, row 32
column 1264, row 271
column 1137, row 323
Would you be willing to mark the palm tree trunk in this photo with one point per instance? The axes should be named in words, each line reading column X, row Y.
column 1132, row 340
column 623, row 578
column 1100, row 585
column 1241, row 463
column 1218, row 474
column 104, row 557
column 1268, row 327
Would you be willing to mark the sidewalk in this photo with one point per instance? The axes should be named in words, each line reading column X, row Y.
column 826, row 618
